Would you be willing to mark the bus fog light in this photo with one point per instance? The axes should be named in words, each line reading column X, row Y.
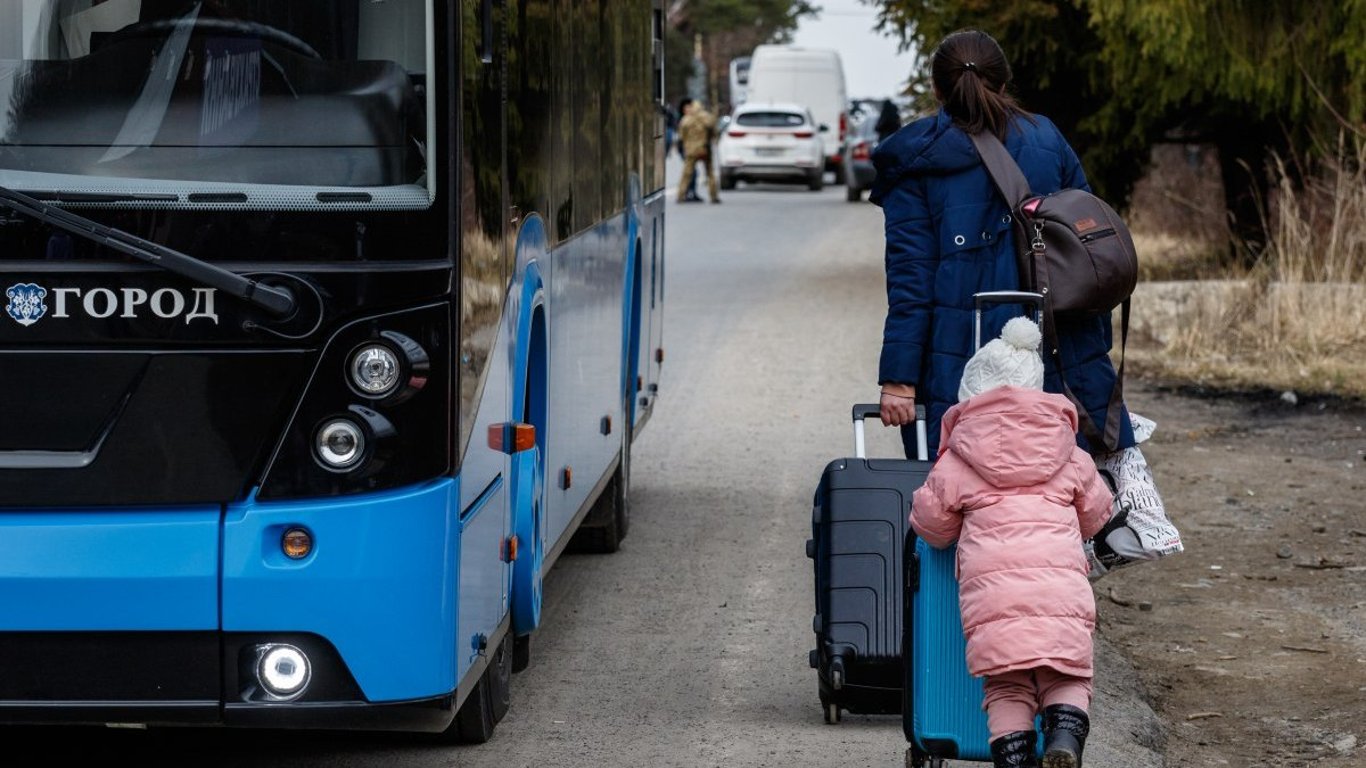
column 282, row 670
column 374, row 370
column 340, row 444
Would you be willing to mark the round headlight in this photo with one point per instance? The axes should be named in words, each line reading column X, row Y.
column 283, row 670
column 340, row 444
column 374, row 370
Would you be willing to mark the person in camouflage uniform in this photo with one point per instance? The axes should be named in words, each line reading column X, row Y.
column 696, row 131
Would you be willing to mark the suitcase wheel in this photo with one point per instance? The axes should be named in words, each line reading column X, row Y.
column 837, row 673
column 811, row 548
column 914, row 759
column 832, row 713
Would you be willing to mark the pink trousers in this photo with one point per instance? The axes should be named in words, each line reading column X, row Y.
column 1014, row 698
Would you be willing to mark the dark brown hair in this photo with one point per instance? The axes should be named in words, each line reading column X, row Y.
column 971, row 73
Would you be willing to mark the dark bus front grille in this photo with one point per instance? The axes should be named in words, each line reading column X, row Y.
column 142, row 667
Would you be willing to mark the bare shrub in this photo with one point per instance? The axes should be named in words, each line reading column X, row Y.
column 1177, row 214
column 1301, row 322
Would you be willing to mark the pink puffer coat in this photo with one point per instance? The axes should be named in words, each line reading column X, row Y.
column 1017, row 493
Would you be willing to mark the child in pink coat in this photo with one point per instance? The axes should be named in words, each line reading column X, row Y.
column 1018, row 495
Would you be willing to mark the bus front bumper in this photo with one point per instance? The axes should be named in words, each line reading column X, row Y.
column 176, row 678
column 163, row 616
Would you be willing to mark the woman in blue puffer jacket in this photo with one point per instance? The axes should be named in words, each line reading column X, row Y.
column 949, row 236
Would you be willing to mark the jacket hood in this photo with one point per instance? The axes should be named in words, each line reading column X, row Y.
column 930, row 145
column 1012, row 437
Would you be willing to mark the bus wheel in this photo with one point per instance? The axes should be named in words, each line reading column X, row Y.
column 488, row 703
column 521, row 653
column 605, row 526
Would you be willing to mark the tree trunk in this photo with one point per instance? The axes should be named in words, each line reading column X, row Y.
column 1243, row 152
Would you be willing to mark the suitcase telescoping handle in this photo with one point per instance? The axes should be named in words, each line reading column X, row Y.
column 873, row 410
column 990, row 298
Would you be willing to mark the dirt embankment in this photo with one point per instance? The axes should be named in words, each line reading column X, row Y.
column 1252, row 643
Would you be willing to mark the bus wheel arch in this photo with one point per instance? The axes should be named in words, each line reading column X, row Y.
column 528, row 483
column 529, row 532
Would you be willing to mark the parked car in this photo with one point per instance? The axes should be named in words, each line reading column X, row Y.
column 861, row 108
column 812, row 77
column 772, row 142
column 858, row 157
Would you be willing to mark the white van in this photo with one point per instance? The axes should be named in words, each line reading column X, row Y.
column 812, row 77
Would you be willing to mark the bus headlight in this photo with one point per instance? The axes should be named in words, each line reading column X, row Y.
column 375, row 370
column 282, row 670
column 340, row 444
column 377, row 377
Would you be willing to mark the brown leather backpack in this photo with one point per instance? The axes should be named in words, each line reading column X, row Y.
column 1080, row 254
column 1076, row 251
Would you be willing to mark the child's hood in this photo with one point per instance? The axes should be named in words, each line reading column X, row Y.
column 1012, row 437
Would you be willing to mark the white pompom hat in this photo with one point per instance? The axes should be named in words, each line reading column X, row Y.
column 1010, row 360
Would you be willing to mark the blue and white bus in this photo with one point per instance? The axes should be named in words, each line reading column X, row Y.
column 328, row 327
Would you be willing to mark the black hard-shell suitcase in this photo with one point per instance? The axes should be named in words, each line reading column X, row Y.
column 859, row 524
column 942, row 713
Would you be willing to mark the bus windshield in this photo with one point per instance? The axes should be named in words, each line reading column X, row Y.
column 251, row 104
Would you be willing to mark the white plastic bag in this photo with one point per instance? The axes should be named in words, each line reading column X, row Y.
column 1138, row 529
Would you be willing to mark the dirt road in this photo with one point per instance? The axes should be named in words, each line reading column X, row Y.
column 1252, row 643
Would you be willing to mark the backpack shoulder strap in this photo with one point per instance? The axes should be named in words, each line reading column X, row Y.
column 1005, row 172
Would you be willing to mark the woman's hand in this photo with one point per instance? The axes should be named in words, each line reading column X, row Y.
column 898, row 405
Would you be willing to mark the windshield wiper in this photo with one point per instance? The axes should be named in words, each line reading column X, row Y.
column 274, row 300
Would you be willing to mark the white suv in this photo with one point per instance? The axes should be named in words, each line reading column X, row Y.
column 772, row 142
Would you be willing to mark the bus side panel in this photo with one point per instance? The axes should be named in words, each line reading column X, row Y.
column 379, row 584
column 652, row 305
column 584, row 308
column 483, row 576
column 584, row 134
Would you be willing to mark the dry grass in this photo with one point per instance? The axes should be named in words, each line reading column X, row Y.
column 1300, row 321
column 1177, row 215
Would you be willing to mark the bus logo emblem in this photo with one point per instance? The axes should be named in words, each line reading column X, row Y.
column 26, row 304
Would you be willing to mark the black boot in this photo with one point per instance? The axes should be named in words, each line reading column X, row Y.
column 1064, row 735
column 1015, row 750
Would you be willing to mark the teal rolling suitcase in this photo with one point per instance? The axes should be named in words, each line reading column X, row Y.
column 941, row 712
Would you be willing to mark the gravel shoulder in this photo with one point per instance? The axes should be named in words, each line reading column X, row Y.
column 1252, row 643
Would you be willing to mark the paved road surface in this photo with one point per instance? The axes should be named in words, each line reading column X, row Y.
column 688, row 648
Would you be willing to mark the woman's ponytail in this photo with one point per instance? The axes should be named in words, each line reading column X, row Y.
column 970, row 74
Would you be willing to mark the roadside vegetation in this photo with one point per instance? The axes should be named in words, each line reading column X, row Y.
column 1234, row 134
column 1295, row 319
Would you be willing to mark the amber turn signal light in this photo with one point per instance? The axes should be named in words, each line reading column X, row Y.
column 512, row 437
column 297, row 543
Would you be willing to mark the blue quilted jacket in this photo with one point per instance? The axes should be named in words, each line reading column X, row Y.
column 949, row 236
